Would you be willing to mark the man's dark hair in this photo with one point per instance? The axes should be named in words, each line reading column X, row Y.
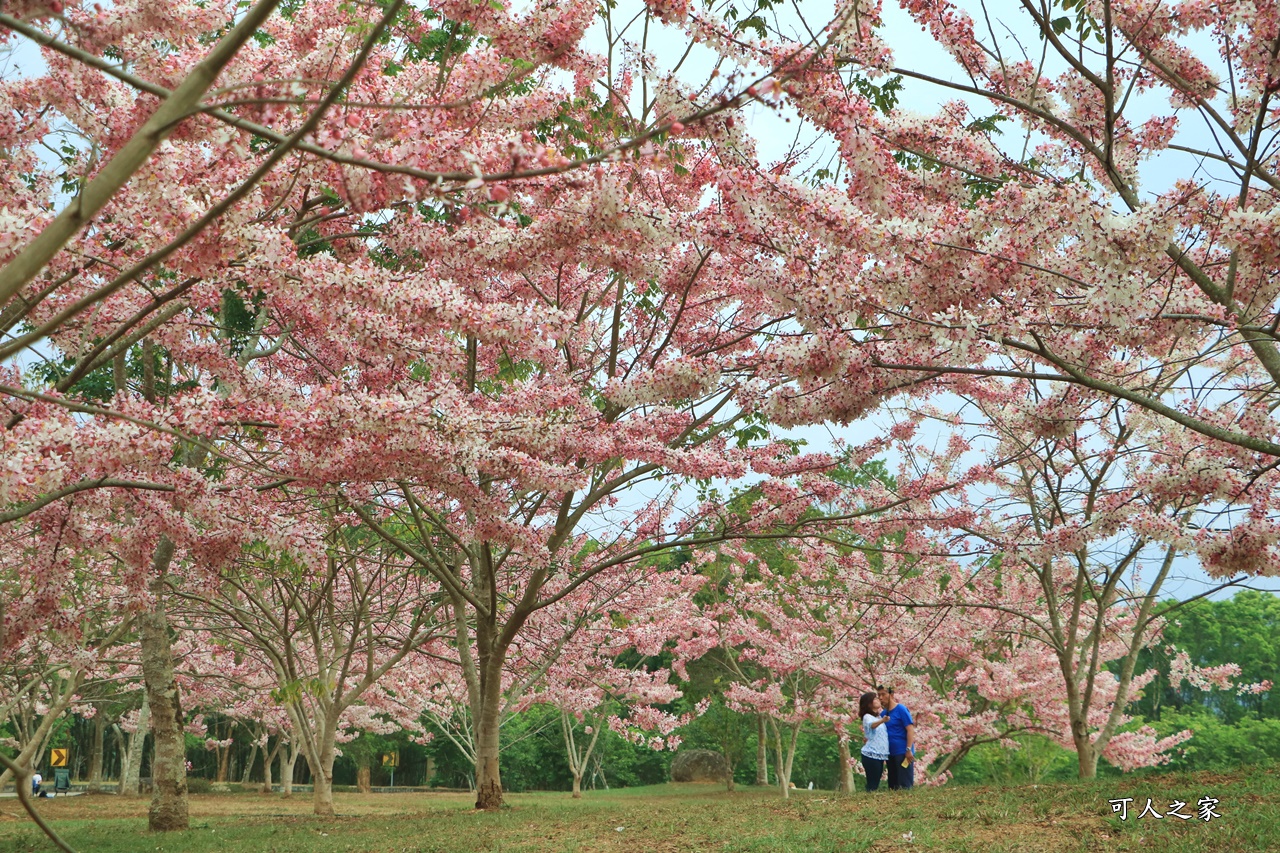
column 885, row 689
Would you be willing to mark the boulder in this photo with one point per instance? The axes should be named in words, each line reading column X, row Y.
column 699, row 765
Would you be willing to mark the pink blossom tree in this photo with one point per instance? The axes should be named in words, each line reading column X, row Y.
column 1077, row 522
column 329, row 630
column 422, row 256
column 580, row 675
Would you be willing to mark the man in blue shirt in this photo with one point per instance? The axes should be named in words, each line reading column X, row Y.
column 902, row 740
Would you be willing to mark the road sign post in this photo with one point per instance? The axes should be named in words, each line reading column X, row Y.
column 390, row 761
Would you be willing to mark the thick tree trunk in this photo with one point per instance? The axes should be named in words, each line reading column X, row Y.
column 364, row 782
column 762, row 751
column 488, row 776
column 131, row 772
column 288, row 761
column 846, row 767
column 224, row 764
column 169, row 767
column 577, row 786
column 1086, row 757
column 321, row 765
column 96, row 744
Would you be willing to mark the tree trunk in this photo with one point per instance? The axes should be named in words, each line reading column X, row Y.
column 268, row 758
column 488, row 775
column 1086, row 757
column 122, row 749
column 791, row 754
column 224, row 764
column 579, row 758
column 321, row 765
column 364, row 782
column 288, row 761
column 785, row 756
column 762, row 751
column 96, row 744
column 779, row 766
column 248, row 765
column 132, row 769
column 846, row 767
column 169, row 766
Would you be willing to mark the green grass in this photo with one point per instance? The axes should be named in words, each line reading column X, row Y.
column 972, row 819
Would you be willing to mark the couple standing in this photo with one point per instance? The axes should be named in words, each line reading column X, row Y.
column 891, row 739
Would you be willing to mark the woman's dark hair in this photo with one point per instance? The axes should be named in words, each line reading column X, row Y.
column 864, row 704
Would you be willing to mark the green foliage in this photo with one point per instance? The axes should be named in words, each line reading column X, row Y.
column 510, row 373
column 60, row 734
column 533, row 753
column 199, row 785
column 1218, row 745
column 238, row 316
column 884, row 97
column 534, row 758
column 755, row 427
column 1035, row 760
column 735, row 735
column 751, row 18
column 367, row 749
column 73, row 177
column 725, row 730
column 1244, row 630
column 98, row 385
column 290, row 8
column 1085, row 25
column 861, row 476
column 990, row 124
column 980, row 188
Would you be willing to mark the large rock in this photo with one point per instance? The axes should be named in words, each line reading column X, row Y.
column 699, row 765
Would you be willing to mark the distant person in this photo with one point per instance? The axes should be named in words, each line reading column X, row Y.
column 36, row 781
column 875, row 752
column 902, row 740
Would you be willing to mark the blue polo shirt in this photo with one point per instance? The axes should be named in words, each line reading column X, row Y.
column 899, row 719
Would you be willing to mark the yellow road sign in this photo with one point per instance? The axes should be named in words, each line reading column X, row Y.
column 391, row 759
column 58, row 757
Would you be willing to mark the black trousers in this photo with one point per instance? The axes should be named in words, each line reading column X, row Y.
column 899, row 776
column 874, row 768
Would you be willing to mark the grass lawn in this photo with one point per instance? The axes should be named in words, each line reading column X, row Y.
column 1059, row 817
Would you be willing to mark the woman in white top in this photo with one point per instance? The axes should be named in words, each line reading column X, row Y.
column 875, row 752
